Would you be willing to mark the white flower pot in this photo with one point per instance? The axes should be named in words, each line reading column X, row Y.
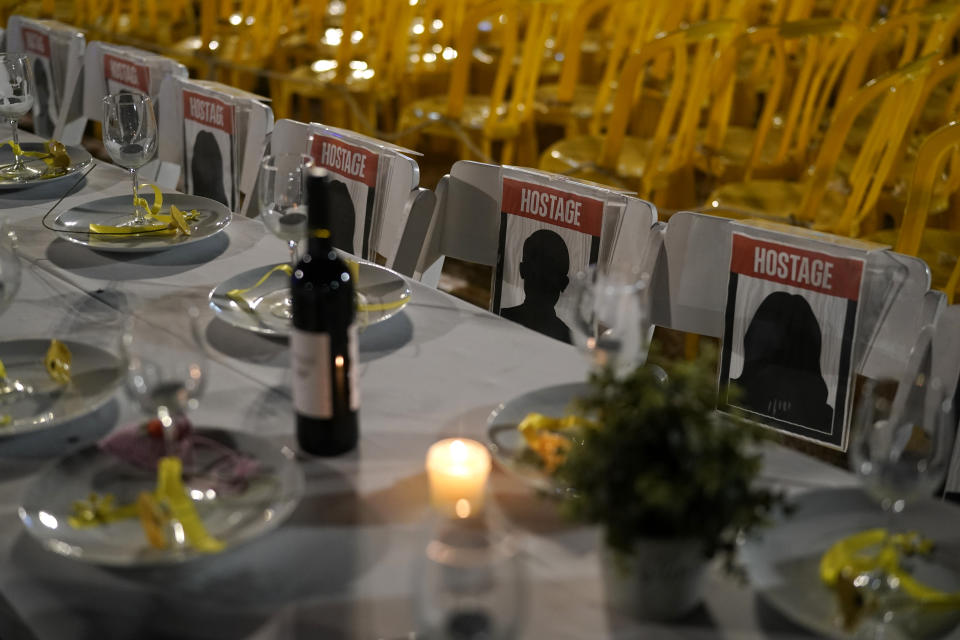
column 660, row 580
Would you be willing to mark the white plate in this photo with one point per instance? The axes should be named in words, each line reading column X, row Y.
column 74, row 224
column 95, row 375
column 268, row 499
column 377, row 286
column 783, row 561
column 79, row 158
column 507, row 444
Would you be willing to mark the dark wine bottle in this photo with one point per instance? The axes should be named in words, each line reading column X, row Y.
column 323, row 338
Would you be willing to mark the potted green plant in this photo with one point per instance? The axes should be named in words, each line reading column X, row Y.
column 671, row 481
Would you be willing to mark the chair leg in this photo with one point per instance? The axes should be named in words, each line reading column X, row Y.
column 953, row 283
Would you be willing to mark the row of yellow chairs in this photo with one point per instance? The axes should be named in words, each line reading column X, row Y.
column 664, row 98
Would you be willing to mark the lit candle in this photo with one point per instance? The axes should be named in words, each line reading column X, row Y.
column 458, row 470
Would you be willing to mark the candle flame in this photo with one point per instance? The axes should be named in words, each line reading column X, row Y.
column 458, row 451
column 338, row 361
column 462, row 508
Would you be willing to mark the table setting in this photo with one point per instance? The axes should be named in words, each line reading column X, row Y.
column 165, row 475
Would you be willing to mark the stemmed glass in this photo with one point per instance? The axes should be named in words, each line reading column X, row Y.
column 130, row 136
column 16, row 99
column 166, row 365
column 901, row 449
column 611, row 316
column 283, row 204
column 9, row 284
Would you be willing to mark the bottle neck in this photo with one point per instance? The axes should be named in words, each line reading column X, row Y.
column 318, row 240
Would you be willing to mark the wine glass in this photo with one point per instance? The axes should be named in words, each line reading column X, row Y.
column 9, row 284
column 163, row 349
column 611, row 316
column 130, row 136
column 16, row 99
column 470, row 583
column 900, row 448
column 283, row 205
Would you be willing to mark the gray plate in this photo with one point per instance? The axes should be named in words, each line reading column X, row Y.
column 378, row 286
column 95, row 375
column 79, row 158
column 73, row 224
column 505, row 442
column 783, row 561
column 269, row 498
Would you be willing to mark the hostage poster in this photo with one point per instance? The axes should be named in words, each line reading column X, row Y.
column 789, row 325
column 354, row 170
column 546, row 237
column 209, row 148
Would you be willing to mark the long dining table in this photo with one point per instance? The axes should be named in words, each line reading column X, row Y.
column 343, row 564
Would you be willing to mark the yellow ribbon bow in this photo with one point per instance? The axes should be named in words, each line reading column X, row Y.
column 55, row 156
column 157, row 223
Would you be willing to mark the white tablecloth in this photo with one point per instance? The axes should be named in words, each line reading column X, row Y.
column 342, row 565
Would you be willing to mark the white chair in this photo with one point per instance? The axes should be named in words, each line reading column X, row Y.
column 216, row 134
column 111, row 68
column 384, row 211
column 56, row 53
column 893, row 304
column 538, row 230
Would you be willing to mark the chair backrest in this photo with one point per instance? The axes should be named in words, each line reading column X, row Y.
column 216, row 134
column 930, row 160
column 702, row 66
column 488, row 214
column 56, row 53
column 518, row 61
column 897, row 40
column 380, row 189
column 897, row 95
column 796, row 67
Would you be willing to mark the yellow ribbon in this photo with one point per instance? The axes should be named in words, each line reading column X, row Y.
column 171, row 492
column 55, row 157
column 169, row 502
column 237, row 294
column 166, row 224
column 856, row 555
column 58, row 361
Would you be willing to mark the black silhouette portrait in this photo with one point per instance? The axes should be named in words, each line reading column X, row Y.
column 42, row 122
column 781, row 375
column 343, row 218
column 543, row 268
column 206, row 168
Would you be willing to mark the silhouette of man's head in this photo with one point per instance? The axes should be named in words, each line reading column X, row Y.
column 207, row 168
column 784, row 331
column 544, row 265
column 342, row 217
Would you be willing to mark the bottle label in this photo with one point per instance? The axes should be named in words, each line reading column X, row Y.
column 310, row 359
column 353, row 349
column 314, row 379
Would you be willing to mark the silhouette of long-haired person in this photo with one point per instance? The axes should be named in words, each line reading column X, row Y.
column 343, row 218
column 42, row 122
column 543, row 267
column 781, row 374
column 206, row 168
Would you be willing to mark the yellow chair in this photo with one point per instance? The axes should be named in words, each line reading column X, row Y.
column 827, row 200
column 896, row 41
column 794, row 70
column 698, row 88
column 939, row 248
column 505, row 112
column 939, row 105
column 574, row 99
